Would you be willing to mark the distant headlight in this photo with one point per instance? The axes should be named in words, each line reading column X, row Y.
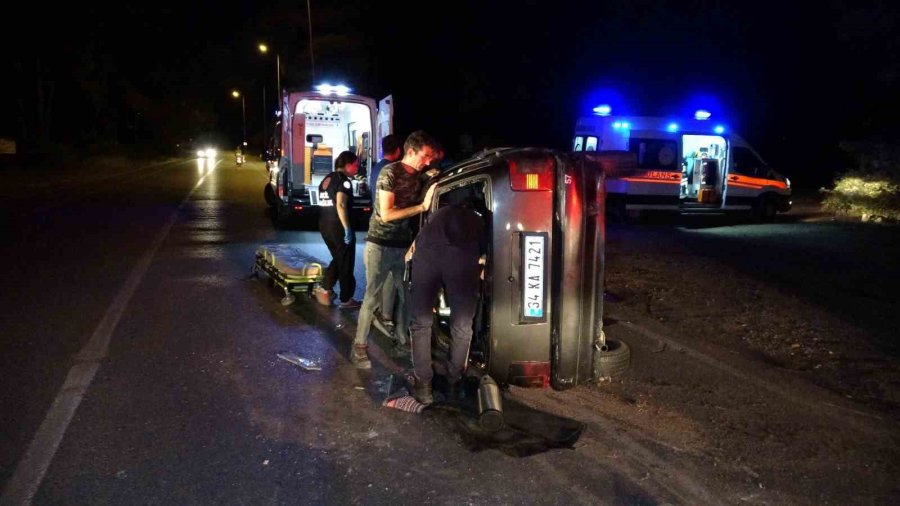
column 210, row 152
column 201, row 153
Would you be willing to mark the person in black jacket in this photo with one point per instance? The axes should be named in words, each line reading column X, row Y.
column 337, row 231
column 449, row 251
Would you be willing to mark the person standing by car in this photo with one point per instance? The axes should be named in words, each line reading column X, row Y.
column 447, row 252
column 392, row 150
column 397, row 198
column 336, row 230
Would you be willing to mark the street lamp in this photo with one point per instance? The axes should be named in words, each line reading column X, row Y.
column 237, row 94
column 265, row 49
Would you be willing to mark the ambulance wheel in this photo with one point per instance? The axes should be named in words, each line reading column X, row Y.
column 280, row 218
column 616, row 210
column 614, row 361
column 269, row 194
column 766, row 208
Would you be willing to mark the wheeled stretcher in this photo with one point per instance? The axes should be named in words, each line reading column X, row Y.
column 289, row 268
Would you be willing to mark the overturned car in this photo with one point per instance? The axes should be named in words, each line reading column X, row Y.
column 540, row 318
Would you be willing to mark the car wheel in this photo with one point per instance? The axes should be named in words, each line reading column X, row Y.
column 613, row 361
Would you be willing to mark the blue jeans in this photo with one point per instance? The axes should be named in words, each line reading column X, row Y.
column 379, row 262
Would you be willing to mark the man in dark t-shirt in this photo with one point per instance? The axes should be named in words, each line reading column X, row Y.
column 397, row 198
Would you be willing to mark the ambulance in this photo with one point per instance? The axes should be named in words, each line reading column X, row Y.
column 313, row 128
column 686, row 165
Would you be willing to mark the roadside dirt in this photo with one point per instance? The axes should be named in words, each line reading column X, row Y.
column 747, row 385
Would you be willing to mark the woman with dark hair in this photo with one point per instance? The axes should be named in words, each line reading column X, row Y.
column 337, row 231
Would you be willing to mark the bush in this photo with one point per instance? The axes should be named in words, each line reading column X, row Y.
column 871, row 190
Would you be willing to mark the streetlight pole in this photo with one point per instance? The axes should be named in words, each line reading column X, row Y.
column 265, row 119
column 237, row 94
column 312, row 61
column 265, row 49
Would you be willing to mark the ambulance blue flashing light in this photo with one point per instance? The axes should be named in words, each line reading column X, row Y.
column 602, row 110
column 327, row 89
column 621, row 125
column 673, row 127
column 719, row 129
column 701, row 115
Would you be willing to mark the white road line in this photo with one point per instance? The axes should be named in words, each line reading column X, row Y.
column 31, row 469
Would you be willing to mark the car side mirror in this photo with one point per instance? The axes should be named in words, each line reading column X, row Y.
column 314, row 139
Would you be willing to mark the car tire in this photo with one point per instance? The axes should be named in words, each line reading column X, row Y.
column 614, row 361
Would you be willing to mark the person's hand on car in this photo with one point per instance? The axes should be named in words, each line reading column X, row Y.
column 426, row 204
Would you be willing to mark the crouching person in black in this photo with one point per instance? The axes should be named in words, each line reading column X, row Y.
column 446, row 253
column 336, row 229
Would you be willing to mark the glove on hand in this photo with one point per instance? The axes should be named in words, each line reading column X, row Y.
column 348, row 235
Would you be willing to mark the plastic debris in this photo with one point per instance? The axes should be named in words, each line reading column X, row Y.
column 304, row 363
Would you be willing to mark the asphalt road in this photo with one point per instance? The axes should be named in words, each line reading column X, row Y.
column 139, row 367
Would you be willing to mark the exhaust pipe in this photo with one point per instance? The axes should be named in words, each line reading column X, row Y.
column 490, row 404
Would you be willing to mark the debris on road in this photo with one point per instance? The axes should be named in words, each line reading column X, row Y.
column 304, row 363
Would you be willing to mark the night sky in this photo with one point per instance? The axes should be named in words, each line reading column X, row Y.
column 792, row 79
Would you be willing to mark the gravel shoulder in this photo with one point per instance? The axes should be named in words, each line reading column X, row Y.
column 764, row 367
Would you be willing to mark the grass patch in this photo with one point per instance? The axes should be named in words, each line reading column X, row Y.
column 871, row 190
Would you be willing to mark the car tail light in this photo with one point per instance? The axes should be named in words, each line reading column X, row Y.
column 530, row 374
column 533, row 173
column 281, row 191
column 298, row 208
column 367, row 209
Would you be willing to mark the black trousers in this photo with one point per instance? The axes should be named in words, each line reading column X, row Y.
column 457, row 270
column 343, row 259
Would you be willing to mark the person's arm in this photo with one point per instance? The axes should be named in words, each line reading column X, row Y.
column 341, row 206
column 390, row 213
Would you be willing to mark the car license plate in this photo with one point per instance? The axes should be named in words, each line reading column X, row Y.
column 534, row 247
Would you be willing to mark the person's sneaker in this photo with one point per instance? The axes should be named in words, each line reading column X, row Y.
column 359, row 357
column 350, row 304
column 399, row 349
column 422, row 393
column 378, row 323
column 323, row 296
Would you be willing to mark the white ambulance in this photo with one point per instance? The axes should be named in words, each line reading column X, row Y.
column 688, row 165
column 314, row 127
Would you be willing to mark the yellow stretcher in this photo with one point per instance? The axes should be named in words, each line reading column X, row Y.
column 289, row 268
